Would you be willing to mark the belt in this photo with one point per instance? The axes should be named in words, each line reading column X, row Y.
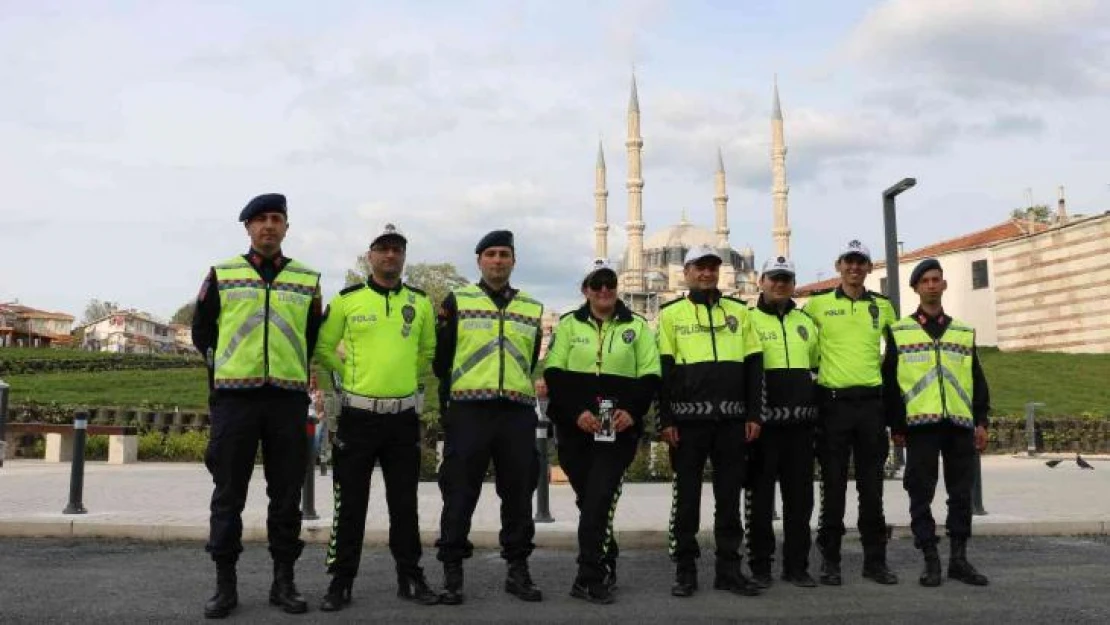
column 853, row 392
column 380, row 405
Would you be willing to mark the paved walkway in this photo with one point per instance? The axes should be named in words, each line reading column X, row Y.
column 167, row 501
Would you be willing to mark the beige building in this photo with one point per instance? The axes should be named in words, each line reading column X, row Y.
column 23, row 326
column 1052, row 289
column 650, row 269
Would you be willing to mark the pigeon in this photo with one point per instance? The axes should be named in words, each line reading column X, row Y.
column 1083, row 464
column 1052, row 463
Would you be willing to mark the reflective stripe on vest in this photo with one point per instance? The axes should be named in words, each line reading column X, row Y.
column 934, row 376
column 262, row 327
column 493, row 354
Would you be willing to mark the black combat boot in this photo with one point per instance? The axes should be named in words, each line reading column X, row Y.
column 412, row 586
column 830, row 562
column 874, row 565
column 931, row 575
column 610, row 575
column 960, row 569
column 227, row 596
column 284, row 593
column 519, row 582
column 761, row 573
column 452, row 583
column 338, row 595
column 729, row 577
column 591, row 589
column 685, row 579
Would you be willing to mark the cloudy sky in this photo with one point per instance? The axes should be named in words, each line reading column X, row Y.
column 132, row 132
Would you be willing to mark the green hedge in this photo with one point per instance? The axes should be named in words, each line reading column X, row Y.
column 61, row 362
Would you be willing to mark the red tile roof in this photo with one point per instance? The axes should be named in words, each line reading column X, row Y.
column 27, row 311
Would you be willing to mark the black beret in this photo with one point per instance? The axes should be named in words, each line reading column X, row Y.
column 497, row 238
column 921, row 268
column 265, row 203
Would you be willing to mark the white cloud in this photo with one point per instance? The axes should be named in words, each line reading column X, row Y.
column 996, row 49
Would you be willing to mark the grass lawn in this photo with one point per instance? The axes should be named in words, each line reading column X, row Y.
column 1068, row 384
column 187, row 388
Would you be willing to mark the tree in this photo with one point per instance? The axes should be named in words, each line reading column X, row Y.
column 97, row 309
column 360, row 272
column 435, row 279
column 1039, row 213
column 184, row 315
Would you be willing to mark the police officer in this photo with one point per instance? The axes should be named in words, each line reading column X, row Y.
column 256, row 323
column 602, row 374
column 710, row 408
column 938, row 401
column 784, row 450
column 388, row 330
column 487, row 347
column 850, row 322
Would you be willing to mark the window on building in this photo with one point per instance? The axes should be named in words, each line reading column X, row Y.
column 979, row 279
column 882, row 286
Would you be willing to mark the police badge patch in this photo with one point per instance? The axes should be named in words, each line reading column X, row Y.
column 628, row 336
column 802, row 332
column 732, row 322
column 408, row 313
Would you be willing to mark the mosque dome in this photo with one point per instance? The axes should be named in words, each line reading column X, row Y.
column 683, row 235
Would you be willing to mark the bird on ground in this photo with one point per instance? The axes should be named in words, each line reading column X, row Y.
column 1052, row 463
column 1083, row 464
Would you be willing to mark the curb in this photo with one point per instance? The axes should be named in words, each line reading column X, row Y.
column 564, row 537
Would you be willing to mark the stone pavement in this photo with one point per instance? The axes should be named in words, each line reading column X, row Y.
column 169, row 501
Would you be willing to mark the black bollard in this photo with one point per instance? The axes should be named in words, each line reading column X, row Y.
column 3, row 420
column 77, row 465
column 543, row 490
column 308, row 493
column 977, row 487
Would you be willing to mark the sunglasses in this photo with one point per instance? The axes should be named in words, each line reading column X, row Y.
column 596, row 283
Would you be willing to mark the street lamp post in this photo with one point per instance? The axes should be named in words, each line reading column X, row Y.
column 893, row 287
column 890, row 223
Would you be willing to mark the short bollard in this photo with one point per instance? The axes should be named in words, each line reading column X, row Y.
column 1031, row 428
column 3, row 419
column 308, row 493
column 977, row 487
column 77, row 467
column 543, row 490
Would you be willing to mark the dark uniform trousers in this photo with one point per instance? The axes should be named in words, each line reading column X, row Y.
column 596, row 472
column 853, row 427
column 924, row 443
column 474, row 433
column 239, row 421
column 782, row 453
column 723, row 444
column 364, row 439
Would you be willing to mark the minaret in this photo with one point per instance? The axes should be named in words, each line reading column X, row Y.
column 1061, row 208
column 720, row 203
column 634, row 271
column 727, row 280
column 601, row 211
column 779, row 189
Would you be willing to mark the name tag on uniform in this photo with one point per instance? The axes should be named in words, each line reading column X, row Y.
column 241, row 294
column 476, row 324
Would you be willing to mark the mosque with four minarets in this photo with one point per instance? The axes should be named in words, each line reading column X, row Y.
column 650, row 270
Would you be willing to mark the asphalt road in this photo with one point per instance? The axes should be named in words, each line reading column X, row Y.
column 1033, row 580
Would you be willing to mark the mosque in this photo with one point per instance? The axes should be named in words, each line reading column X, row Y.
column 650, row 269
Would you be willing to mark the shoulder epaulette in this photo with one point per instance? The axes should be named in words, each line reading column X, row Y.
column 735, row 299
column 672, row 302
column 803, row 311
column 877, row 294
column 636, row 315
column 353, row 288
column 416, row 290
column 822, row 291
column 567, row 314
